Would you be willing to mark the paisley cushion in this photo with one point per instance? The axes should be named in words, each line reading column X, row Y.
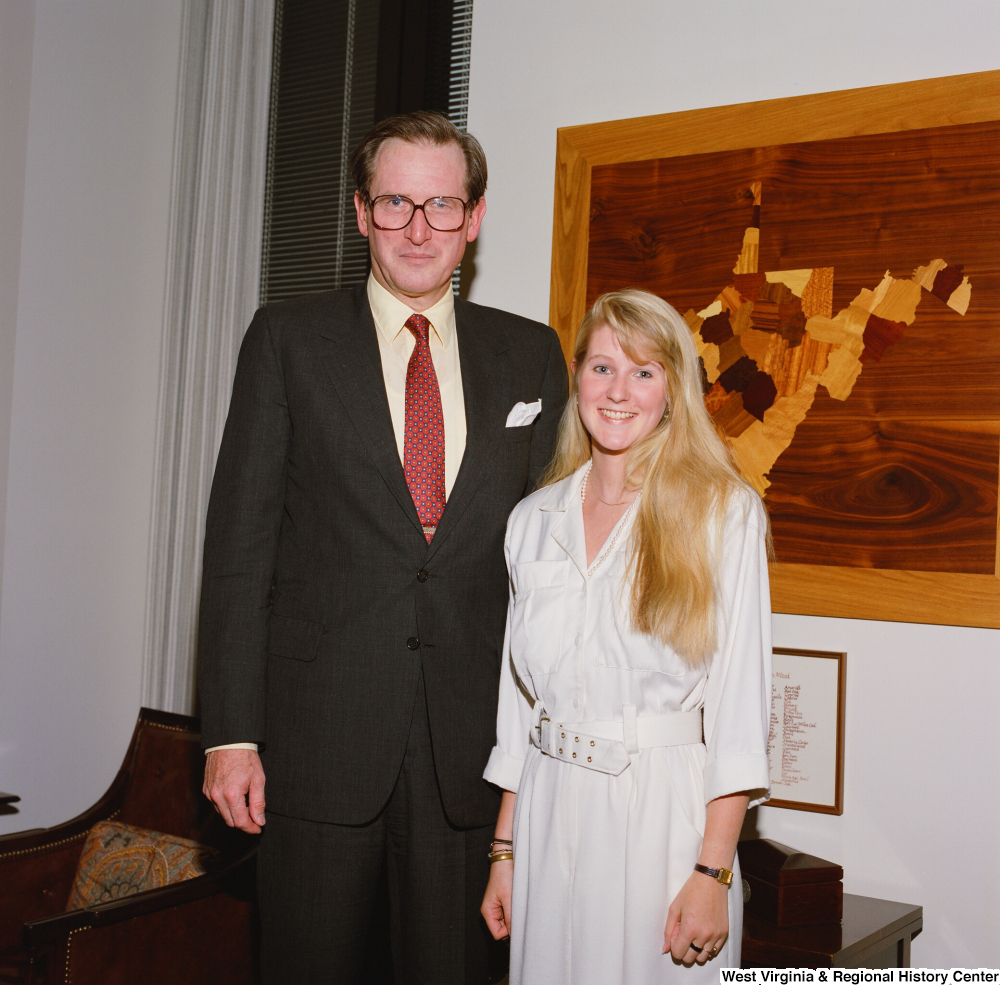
column 119, row 860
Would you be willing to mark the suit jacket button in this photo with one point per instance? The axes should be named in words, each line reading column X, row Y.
column 422, row 575
column 413, row 643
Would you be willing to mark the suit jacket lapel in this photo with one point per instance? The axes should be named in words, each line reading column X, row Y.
column 354, row 366
column 485, row 389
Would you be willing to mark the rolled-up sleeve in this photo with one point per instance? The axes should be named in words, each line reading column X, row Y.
column 514, row 711
column 738, row 692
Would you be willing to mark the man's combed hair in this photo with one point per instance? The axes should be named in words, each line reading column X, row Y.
column 683, row 468
column 422, row 126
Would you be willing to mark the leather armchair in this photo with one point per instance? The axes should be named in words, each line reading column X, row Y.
column 200, row 930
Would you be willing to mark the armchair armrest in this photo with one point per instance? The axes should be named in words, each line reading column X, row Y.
column 201, row 930
column 235, row 879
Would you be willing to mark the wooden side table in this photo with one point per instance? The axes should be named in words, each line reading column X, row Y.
column 875, row 933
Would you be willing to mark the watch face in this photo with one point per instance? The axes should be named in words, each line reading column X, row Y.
column 725, row 876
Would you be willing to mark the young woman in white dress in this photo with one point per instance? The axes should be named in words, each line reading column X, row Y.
column 635, row 690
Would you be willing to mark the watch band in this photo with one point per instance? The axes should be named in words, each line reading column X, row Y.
column 725, row 876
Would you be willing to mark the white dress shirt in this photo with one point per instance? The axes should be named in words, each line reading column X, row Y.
column 395, row 345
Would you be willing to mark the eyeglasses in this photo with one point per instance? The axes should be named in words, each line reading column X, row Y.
column 446, row 215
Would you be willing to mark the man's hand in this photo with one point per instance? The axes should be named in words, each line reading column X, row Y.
column 232, row 777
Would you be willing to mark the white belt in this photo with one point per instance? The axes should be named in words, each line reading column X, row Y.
column 608, row 746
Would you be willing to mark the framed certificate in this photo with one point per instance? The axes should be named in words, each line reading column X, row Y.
column 806, row 741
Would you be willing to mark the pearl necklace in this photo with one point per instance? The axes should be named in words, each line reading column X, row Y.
column 622, row 523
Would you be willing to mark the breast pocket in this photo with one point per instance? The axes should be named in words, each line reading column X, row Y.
column 538, row 615
column 618, row 645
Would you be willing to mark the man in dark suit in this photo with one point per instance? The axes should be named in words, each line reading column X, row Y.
column 354, row 593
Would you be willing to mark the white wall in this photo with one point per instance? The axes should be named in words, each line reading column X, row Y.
column 923, row 746
column 17, row 30
column 97, row 81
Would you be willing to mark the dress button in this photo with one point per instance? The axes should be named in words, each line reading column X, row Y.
column 413, row 643
column 576, row 702
column 422, row 575
column 578, row 640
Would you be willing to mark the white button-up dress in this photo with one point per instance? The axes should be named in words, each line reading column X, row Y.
column 599, row 858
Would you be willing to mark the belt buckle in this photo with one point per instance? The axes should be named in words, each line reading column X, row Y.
column 538, row 728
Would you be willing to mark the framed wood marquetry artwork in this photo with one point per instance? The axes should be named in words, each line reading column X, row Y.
column 805, row 746
column 837, row 258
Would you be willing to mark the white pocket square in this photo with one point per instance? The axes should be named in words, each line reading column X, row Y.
column 522, row 413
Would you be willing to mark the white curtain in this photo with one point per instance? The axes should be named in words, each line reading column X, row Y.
column 220, row 151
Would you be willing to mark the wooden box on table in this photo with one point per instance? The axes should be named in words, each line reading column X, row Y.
column 790, row 888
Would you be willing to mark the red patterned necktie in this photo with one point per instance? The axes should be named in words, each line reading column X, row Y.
column 423, row 455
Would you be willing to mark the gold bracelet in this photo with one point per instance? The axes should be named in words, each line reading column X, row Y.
column 500, row 856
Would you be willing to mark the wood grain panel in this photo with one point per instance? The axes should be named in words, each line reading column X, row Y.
column 873, row 593
column 919, row 496
column 896, row 518
column 570, row 223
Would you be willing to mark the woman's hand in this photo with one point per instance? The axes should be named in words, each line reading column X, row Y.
column 496, row 902
column 698, row 915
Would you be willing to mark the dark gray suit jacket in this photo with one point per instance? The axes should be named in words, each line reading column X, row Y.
column 321, row 599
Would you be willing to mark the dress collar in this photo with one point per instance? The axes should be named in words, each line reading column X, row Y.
column 560, row 496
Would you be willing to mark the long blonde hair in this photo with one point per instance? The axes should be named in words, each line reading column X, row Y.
column 683, row 468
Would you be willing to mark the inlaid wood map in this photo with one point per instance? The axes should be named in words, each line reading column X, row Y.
column 844, row 294
column 769, row 339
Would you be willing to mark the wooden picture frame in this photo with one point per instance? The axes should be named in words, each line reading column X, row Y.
column 807, row 730
column 955, row 597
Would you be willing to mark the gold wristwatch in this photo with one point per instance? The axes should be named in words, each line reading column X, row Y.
column 725, row 876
